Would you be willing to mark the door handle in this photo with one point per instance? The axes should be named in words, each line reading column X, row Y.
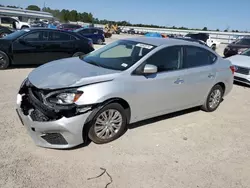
column 179, row 81
column 211, row 75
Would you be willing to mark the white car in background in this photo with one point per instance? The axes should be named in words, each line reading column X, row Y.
column 13, row 23
column 242, row 66
column 205, row 37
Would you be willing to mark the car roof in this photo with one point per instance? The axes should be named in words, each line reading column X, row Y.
column 51, row 29
column 161, row 41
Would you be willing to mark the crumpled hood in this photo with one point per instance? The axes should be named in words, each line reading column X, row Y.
column 69, row 72
column 240, row 60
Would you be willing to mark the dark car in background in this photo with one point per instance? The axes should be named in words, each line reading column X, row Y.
column 68, row 27
column 4, row 31
column 95, row 34
column 38, row 46
column 198, row 36
column 131, row 31
column 191, row 40
column 237, row 47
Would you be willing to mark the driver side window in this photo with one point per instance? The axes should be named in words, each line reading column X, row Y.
column 34, row 36
column 167, row 59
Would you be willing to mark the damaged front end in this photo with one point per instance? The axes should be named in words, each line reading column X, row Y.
column 44, row 105
column 51, row 117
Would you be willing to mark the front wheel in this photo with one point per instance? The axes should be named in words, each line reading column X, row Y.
column 213, row 47
column 214, row 99
column 108, row 124
column 78, row 54
column 99, row 41
column 4, row 61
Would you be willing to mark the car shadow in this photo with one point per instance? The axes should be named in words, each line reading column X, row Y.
column 241, row 84
column 142, row 123
column 162, row 118
column 22, row 67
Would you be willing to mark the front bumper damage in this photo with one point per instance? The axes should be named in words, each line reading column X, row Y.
column 52, row 127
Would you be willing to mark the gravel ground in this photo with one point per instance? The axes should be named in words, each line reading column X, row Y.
column 190, row 149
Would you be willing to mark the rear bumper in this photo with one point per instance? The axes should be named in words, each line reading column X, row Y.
column 62, row 133
column 242, row 78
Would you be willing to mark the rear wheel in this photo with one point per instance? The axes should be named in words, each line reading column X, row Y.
column 100, row 41
column 4, row 61
column 25, row 27
column 108, row 124
column 78, row 54
column 213, row 47
column 214, row 99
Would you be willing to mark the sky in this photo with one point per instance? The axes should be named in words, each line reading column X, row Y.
column 213, row 14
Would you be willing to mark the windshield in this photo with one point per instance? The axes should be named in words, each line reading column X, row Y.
column 15, row 34
column 247, row 52
column 119, row 55
column 244, row 41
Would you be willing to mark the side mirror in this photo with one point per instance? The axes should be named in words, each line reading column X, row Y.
column 150, row 69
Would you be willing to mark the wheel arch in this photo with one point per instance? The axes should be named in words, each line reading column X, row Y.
column 223, row 86
column 87, row 123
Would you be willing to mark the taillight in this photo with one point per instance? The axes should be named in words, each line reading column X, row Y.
column 232, row 69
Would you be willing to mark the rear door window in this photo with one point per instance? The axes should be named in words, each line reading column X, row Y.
column 196, row 57
column 167, row 59
column 59, row 36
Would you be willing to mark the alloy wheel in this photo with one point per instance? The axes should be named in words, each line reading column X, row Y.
column 215, row 98
column 2, row 60
column 108, row 123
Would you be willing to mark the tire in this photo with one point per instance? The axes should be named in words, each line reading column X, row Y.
column 100, row 41
column 24, row 27
column 78, row 54
column 96, row 127
column 3, row 34
column 213, row 47
column 4, row 61
column 207, row 107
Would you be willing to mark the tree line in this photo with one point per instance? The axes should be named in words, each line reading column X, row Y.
column 65, row 15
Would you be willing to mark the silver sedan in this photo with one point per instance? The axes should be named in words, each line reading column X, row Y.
column 96, row 96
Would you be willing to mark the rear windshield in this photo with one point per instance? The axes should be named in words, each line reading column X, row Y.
column 244, row 41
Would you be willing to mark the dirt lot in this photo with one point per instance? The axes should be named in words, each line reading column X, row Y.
column 191, row 149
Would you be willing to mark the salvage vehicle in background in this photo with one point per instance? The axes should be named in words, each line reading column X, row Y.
column 96, row 35
column 96, row 96
column 131, row 31
column 13, row 23
column 205, row 37
column 68, row 27
column 237, row 47
column 38, row 46
column 241, row 63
